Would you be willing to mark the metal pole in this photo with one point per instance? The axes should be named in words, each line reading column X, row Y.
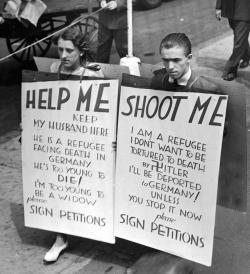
column 130, row 61
column 130, row 27
column 89, row 6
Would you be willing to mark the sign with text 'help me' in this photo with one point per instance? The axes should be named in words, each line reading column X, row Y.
column 168, row 157
column 67, row 156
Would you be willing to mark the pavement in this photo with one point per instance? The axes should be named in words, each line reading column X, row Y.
column 22, row 248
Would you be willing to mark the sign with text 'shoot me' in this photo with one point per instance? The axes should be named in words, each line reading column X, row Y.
column 67, row 156
column 168, row 156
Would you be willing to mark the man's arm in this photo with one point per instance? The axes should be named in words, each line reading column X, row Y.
column 117, row 4
column 103, row 3
column 218, row 5
column 113, row 4
column 121, row 4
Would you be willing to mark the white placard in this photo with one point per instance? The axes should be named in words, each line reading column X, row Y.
column 67, row 156
column 168, row 157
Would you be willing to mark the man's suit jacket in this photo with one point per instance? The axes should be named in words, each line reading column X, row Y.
column 234, row 9
column 114, row 19
column 196, row 83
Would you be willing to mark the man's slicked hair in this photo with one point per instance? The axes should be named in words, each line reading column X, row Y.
column 176, row 40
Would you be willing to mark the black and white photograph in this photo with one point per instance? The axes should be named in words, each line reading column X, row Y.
column 124, row 131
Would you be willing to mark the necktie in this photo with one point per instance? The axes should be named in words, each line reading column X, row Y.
column 179, row 87
column 176, row 83
column 171, row 86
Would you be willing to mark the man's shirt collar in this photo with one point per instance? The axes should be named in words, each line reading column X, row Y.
column 184, row 79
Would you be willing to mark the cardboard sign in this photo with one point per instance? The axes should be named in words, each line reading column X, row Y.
column 168, row 158
column 67, row 156
column 232, row 187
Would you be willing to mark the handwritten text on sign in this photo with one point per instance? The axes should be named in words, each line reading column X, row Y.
column 168, row 156
column 68, row 162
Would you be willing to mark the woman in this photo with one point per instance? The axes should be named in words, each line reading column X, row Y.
column 73, row 50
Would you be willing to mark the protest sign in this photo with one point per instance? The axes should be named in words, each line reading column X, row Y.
column 232, row 185
column 168, row 157
column 67, row 156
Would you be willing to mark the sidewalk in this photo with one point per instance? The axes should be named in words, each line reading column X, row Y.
column 210, row 58
column 22, row 249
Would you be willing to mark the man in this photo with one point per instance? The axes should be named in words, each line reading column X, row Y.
column 113, row 26
column 238, row 14
column 175, row 51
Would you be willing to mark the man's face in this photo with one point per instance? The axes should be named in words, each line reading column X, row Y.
column 69, row 54
column 175, row 61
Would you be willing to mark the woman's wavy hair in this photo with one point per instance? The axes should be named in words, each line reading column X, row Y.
column 79, row 40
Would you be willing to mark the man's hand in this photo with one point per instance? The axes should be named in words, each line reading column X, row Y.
column 103, row 4
column 218, row 14
column 111, row 5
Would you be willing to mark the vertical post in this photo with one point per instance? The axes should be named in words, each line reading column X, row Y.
column 89, row 6
column 130, row 61
column 130, row 27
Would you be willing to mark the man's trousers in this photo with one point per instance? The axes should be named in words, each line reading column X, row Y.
column 105, row 39
column 241, row 48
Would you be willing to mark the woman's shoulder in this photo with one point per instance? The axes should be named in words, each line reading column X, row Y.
column 94, row 70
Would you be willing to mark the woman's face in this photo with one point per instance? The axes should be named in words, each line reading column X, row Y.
column 69, row 54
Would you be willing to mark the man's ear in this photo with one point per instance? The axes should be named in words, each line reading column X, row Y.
column 190, row 56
